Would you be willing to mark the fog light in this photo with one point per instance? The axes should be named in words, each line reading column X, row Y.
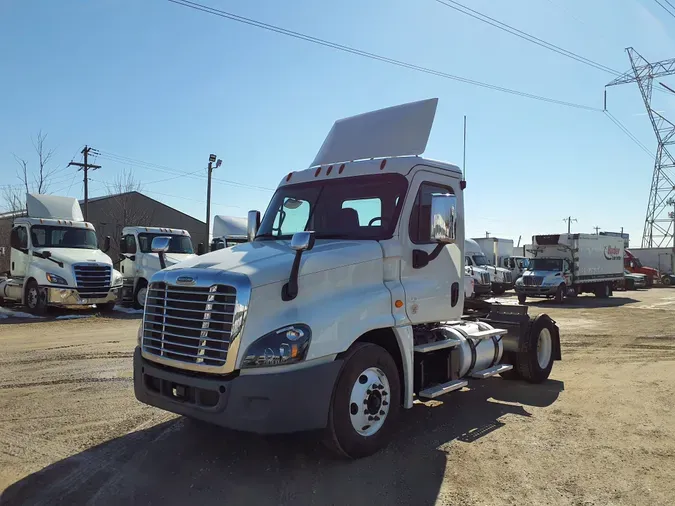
column 63, row 293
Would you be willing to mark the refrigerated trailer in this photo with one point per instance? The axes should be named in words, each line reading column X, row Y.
column 345, row 305
column 566, row 265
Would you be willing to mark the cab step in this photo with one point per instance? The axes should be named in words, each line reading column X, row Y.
column 436, row 345
column 443, row 388
column 491, row 371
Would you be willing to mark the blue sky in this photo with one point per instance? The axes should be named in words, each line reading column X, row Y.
column 162, row 84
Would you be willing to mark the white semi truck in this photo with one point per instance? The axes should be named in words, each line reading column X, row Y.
column 228, row 231
column 500, row 278
column 566, row 265
column 55, row 259
column 345, row 305
column 138, row 263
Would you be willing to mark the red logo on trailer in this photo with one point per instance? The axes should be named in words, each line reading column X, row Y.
column 612, row 253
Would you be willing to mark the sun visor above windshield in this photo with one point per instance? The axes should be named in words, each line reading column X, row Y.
column 402, row 130
column 53, row 207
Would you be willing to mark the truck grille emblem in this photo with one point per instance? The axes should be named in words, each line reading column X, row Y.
column 185, row 280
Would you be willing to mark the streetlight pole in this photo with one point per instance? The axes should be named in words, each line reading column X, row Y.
column 212, row 158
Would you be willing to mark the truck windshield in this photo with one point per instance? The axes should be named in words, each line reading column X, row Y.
column 178, row 243
column 43, row 236
column 480, row 260
column 360, row 207
column 546, row 264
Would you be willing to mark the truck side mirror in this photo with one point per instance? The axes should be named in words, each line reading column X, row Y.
column 106, row 244
column 443, row 228
column 253, row 224
column 301, row 241
column 160, row 245
column 200, row 249
column 443, row 218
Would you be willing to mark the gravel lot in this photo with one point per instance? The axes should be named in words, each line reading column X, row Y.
column 600, row 431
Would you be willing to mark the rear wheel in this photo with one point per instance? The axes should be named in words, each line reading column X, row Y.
column 365, row 403
column 603, row 291
column 36, row 298
column 535, row 362
column 666, row 280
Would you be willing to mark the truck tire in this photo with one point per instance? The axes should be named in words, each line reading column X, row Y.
column 666, row 280
column 560, row 294
column 140, row 294
column 498, row 290
column 535, row 362
column 522, row 298
column 630, row 284
column 603, row 291
column 366, row 402
column 36, row 298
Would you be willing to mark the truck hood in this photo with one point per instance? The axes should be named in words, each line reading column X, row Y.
column 77, row 255
column 151, row 261
column 543, row 274
column 266, row 262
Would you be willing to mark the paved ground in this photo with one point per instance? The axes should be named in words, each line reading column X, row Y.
column 600, row 431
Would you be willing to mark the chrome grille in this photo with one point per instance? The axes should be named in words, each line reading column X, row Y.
column 533, row 280
column 93, row 280
column 188, row 323
column 484, row 278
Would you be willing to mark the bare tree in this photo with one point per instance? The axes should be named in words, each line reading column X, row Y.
column 36, row 181
column 125, row 209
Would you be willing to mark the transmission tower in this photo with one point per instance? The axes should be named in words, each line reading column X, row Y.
column 659, row 227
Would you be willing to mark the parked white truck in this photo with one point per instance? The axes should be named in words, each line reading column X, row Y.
column 55, row 259
column 500, row 278
column 138, row 263
column 345, row 305
column 228, row 231
column 481, row 280
column 566, row 265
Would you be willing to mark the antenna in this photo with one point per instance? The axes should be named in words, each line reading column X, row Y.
column 464, row 154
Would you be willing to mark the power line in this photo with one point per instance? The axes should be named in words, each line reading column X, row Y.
column 372, row 56
column 524, row 35
column 666, row 8
column 629, row 134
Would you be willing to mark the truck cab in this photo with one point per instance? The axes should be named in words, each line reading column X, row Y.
column 481, row 280
column 138, row 263
column 500, row 278
column 516, row 264
column 345, row 304
column 633, row 264
column 228, row 231
column 55, row 259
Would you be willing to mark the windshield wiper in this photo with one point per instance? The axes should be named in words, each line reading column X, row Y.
column 47, row 256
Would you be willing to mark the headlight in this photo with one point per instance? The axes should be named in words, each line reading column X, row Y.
column 519, row 281
column 117, row 279
column 57, row 280
column 287, row 345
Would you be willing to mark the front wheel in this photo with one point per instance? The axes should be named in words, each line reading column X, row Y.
column 522, row 299
column 140, row 294
column 666, row 280
column 365, row 403
column 36, row 298
column 106, row 308
column 560, row 294
column 498, row 290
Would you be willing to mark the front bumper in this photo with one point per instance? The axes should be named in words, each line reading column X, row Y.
column 71, row 297
column 503, row 286
column 481, row 289
column 536, row 291
column 271, row 403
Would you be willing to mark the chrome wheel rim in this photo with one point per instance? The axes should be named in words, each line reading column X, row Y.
column 32, row 298
column 141, row 296
column 544, row 348
column 369, row 401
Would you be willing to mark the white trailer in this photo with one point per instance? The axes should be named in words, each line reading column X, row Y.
column 55, row 259
column 330, row 316
column 566, row 265
column 228, row 231
column 661, row 259
column 496, row 249
column 138, row 263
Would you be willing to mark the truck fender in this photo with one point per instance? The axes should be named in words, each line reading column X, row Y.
column 555, row 335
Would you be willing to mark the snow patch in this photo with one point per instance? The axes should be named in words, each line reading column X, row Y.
column 73, row 316
column 9, row 313
column 128, row 310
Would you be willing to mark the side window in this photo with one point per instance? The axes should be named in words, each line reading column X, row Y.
column 467, row 260
column 369, row 211
column 128, row 244
column 292, row 217
column 419, row 228
column 19, row 238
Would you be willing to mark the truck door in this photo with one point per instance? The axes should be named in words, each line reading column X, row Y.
column 433, row 292
column 19, row 251
column 128, row 256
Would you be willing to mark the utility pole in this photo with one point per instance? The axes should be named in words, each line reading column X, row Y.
column 212, row 158
column 596, row 228
column 569, row 221
column 85, row 168
column 487, row 234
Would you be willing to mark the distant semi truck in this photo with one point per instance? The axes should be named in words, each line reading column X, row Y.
column 228, row 231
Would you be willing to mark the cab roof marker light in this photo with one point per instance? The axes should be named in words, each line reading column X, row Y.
column 317, row 172
column 330, row 169
column 383, row 163
column 342, row 167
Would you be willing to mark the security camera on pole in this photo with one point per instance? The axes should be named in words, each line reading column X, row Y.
column 212, row 158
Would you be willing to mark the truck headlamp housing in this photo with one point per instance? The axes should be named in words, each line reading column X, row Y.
column 287, row 345
column 56, row 280
column 117, row 279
